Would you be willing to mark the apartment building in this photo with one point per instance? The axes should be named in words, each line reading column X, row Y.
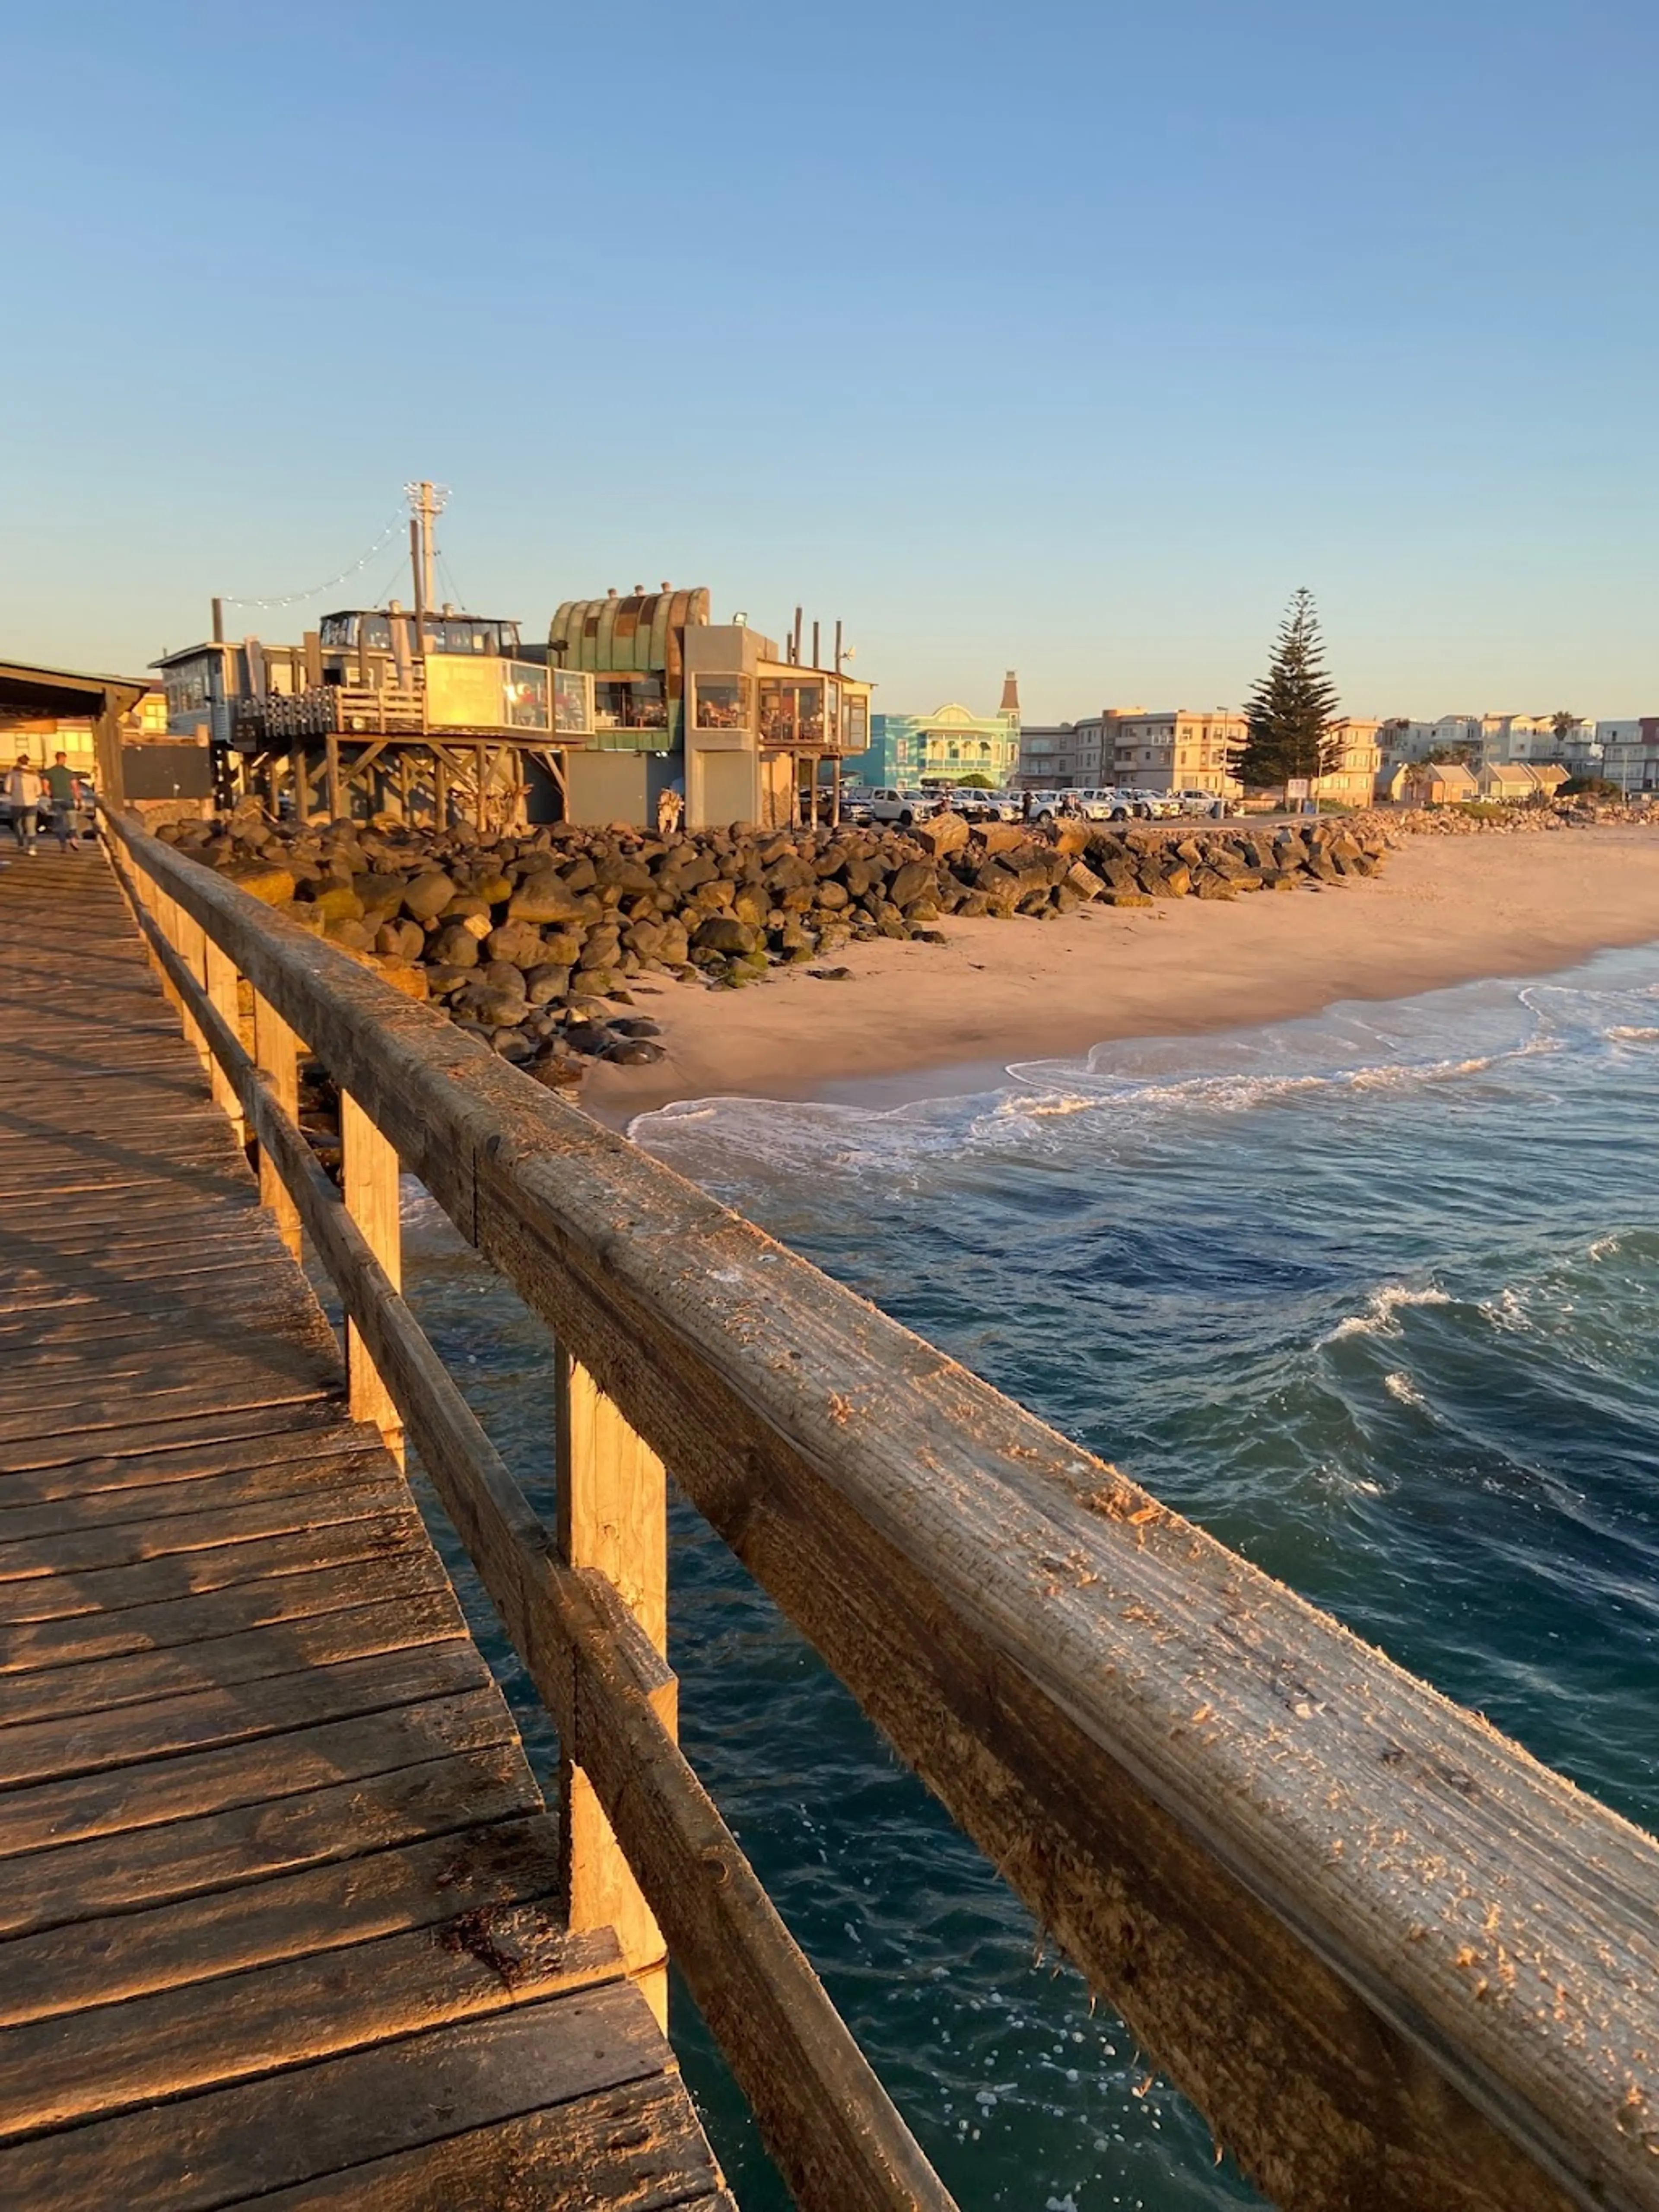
column 1352, row 778
column 1057, row 757
column 1178, row 749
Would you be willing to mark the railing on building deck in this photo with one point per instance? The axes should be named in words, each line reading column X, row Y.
column 333, row 709
column 1397, row 1963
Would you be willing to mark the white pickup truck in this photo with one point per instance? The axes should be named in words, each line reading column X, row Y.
column 888, row 804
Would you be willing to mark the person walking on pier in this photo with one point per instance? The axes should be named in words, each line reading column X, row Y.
column 63, row 788
column 23, row 789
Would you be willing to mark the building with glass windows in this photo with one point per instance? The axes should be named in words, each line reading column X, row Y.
column 946, row 747
column 717, row 710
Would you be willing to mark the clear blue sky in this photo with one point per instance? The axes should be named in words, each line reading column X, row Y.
column 1064, row 337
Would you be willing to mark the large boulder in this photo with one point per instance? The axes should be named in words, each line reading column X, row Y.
column 454, row 946
column 426, row 895
column 722, row 934
column 945, row 833
column 912, row 881
column 270, row 885
column 545, row 898
column 517, row 942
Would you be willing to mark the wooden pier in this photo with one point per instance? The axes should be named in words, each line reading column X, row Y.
column 283, row 1910
column 283, row 1916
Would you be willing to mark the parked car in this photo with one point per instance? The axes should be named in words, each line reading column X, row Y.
column 891, row 805
column 1201, row 802
column 975, row 805
column 1048, row 805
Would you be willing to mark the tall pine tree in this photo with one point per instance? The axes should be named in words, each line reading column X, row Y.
column 1292, row 707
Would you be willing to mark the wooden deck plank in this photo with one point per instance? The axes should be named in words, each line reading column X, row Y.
column 171, row 1790
column 324, row 1908
column 183, row 1574
column 278, row 1893
column 180, row 2042
column 205, row 2151
column 163, row 1449
column 247, row 1845
column 224, row 1610
column 377, row 1491
column 106, row 1684
column 636, row 2145
column 196, row 1720
column 22, row 1514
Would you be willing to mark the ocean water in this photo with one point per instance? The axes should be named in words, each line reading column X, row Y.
column 1369, row 1296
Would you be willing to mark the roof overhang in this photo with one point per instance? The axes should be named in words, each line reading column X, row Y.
column 66, row 691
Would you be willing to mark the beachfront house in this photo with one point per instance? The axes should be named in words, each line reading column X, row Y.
column 1434, row 783
column 1510, row 783
column 739, row 726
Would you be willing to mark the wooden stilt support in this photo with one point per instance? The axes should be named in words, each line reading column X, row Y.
column 371, row 1198
column 336, row 797
column 481, row 804
column 613, row 1516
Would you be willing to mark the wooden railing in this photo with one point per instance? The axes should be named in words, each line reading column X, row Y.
column 1398, row 1964
column 332, row 709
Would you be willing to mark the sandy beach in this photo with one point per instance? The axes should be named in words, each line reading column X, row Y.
column 1445, row 910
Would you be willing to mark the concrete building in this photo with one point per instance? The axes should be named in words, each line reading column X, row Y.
column 944, row 747
column 1630, row 752
column 739, row 725
column 1351, row 779
column 1180, row 749
column 1057, row 755
column 1506, row 737
column 1401, row 742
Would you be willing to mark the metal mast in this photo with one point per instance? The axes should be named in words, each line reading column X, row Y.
column 426, row 504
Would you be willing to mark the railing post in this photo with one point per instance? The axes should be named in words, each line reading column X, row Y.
column 189, row 940
column 613, row 1516
column 370, row 1178
column 277, row 1051
column 221, row 981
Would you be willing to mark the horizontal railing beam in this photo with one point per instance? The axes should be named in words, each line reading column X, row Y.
column 1397, row 1961
column 834, row 2133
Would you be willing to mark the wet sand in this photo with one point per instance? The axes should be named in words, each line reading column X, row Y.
column 1445, row 910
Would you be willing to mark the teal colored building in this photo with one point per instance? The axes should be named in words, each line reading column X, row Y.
column 947, row 746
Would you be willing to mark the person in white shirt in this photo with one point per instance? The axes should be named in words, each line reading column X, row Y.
column 23, row 790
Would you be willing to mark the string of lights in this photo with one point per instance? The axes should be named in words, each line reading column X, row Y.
column 296, row 599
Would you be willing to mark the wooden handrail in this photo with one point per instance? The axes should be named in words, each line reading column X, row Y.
column 1397, row 1962
column 824, row 2114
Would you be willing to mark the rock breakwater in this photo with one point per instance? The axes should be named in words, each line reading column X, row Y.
column 530, row 941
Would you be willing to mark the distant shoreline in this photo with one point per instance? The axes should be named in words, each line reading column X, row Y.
column 922, row 1020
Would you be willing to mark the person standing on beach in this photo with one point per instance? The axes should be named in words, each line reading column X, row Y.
column 23, row 789
column 65, row 794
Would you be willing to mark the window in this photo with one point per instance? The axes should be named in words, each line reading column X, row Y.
column 523, row 695
column 634, row 703
column 791, row 712
column 723, row 702
column 571, row 714
column 855, row 724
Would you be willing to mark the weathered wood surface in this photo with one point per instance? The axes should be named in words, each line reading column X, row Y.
column 280, row 1904
column 1397, row 1962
